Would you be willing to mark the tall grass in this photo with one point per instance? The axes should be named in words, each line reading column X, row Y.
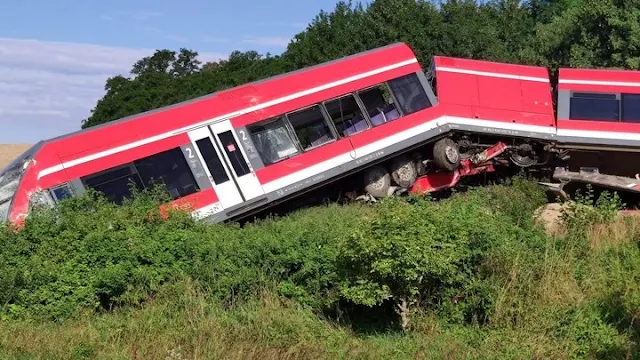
column 480, row 277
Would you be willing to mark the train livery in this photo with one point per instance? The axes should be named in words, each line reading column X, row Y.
column 376, row 115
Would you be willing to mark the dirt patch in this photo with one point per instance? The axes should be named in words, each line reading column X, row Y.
column 8, row 152
column 549, row 216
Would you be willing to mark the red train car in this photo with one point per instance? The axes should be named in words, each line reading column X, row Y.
column 374, row 115
column 240, row 149
column 599, row 118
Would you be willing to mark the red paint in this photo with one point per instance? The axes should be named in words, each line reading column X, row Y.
column 191, row 202
column 502, row 92
column 473, row 90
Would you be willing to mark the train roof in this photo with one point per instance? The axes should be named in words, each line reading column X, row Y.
column 230, row 90
column 610, row 77
column 201, row 108
column 486, row 67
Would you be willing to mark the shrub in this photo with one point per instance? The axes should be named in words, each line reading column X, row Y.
column 450, row 256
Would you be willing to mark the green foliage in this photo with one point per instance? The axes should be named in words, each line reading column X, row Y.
column 435, row 254
column 90, row 254
column 472, row 273
column 582, row 33
column 587, row 209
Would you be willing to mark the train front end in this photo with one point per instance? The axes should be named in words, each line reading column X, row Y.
column 13, row 200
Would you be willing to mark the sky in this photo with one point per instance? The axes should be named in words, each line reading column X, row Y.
column 56, row 55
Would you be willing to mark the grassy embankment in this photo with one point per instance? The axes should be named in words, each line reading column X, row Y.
column 469, row 277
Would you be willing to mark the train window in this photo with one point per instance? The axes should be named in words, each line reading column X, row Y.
column 62, row 192
column 232, row 149
column 311, row 127
column 169, row 168
column 594, row 106
column 410, row 94
column 379, row 104
column 346, row 115
column 631, row 107
column 115, row 183
column 212, row 160
column 273, row 141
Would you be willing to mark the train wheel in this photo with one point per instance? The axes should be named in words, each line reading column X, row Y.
column 403, row 171
column 446, row 154
column 377, row 181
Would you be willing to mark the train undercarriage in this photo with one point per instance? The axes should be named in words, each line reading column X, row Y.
column 444, row 163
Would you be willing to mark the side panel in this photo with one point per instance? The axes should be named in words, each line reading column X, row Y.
column 499, row 93
column 495, row 91
column 75, row 169
column 599, row 107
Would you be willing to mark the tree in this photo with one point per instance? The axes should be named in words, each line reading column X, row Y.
column 553, row 33
column 591, row 33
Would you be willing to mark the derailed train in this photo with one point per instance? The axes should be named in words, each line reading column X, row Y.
column 376, row 116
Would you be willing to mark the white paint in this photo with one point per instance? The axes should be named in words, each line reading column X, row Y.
column 249, row 184
column 207, row 211
column 491, row 74
column 595, row 82
column 264, row 105
column 599, row 134
column 395, row 139
column 228, row 193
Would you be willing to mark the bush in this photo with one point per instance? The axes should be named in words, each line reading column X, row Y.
column 475, row 259
column 90, row 254
column 449, row 256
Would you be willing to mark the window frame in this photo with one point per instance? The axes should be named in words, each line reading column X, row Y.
column 290, row 131
column 167, row 153
column 362, row 109
column 399, row 106
column 130, row 165
column 596, row 95
column 393, row 97
column 53, row 189
column 622, row 108
column 327, row 121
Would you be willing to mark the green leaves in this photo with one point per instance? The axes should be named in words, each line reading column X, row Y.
column 429, row 253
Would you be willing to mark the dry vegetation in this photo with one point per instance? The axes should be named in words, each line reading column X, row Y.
column 8, row 152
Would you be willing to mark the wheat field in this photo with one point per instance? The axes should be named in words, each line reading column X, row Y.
column 8, row 152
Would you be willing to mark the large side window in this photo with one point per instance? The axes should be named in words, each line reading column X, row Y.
column 594, row 106
column 410, row 93
column 311, row 127
column 114, row 182
column 169, row 168
column 273, row 141
column 346, row 115
column 379, row 104
column 631, row 107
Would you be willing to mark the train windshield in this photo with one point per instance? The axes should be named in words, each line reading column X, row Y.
column 10, row 179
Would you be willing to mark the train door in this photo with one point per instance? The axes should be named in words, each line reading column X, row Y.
column 234, row 156
column 218, row 172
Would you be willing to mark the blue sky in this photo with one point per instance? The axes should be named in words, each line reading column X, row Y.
column 56, row 55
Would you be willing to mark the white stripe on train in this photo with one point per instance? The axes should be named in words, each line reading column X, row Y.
column 597, row 82
column 277, row 101
column 392, row 140
column 368, row 149
column 115, row 150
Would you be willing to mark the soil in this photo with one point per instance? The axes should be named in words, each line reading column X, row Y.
column 8, row 152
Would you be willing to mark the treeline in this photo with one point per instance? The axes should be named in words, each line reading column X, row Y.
column 552, row 33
